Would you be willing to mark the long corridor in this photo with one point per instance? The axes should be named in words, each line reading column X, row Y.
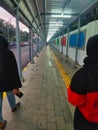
column 44, row 104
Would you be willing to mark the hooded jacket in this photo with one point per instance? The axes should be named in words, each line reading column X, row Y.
column 9, row 77
column 83, row 90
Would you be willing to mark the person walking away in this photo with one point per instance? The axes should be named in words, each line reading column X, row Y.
column 83, row 89
column 9, row 78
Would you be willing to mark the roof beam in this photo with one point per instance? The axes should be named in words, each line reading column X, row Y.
column 66, row 4
column 16, row 4
column 37, row 6
column 28, row 7
column 45, row 15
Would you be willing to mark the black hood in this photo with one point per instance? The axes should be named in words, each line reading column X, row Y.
column 3, row 46
column 3, row 43
column 91, row 65
column 91, row 61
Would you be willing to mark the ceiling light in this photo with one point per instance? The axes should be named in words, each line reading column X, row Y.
column 57, row 25
column 61, row 16
column 59, row 22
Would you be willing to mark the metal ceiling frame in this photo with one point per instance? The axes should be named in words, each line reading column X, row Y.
column 45, row 15
column 84, row 12
column 38, row 11
column 39, row 22
column 34, row 20
column 29, row 24
column 26, row 3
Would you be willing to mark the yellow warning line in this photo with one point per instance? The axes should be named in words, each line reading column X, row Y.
column 63, row 73
column 4, row 94
column 25, row 68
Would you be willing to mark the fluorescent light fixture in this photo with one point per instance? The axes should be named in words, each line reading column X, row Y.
column 49, row 37
column 61, row 16
column 51, row 32
column 59, row 25
column 56, row 25
column 54, row 29
column 59, row 22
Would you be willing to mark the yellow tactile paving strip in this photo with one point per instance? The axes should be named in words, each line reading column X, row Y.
column 4, row 94
column 63, row 73
column 25, row 68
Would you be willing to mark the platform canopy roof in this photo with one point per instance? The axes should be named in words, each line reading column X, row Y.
column 48, row 18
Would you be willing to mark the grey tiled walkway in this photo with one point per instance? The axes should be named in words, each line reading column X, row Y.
column 44, row 104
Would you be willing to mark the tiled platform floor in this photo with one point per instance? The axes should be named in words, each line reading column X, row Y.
column 44, row 104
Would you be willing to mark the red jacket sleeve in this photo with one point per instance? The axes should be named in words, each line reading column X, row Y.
column 78, row 88
column 75, row 98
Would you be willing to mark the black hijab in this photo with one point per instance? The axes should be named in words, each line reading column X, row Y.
column 3, row 46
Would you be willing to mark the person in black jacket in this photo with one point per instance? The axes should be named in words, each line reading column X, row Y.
column 9, row 78
column 83, row 90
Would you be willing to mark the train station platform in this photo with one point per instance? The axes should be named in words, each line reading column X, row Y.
column 44, row 105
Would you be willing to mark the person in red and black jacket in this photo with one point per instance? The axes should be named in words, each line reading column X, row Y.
column 83, row 89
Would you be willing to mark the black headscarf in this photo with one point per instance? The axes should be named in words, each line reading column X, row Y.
column 91, row 61
column 3, row 46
